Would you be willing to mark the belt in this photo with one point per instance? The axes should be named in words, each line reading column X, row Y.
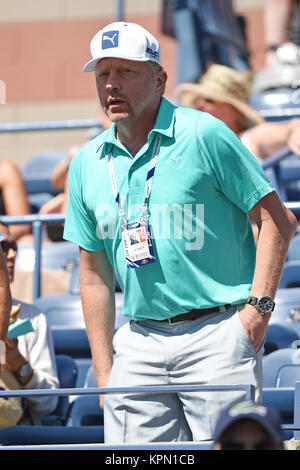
column 195, row 313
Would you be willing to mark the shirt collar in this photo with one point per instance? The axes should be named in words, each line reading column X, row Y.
column 164, row 125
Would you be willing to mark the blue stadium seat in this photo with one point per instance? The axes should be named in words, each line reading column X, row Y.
column 279, row 336
column 283, row 400
column 38, row 169
column 281, row 368
column 294, row 248
column 43, row 435
column 83, row 364
column 287, row 308
column 56, row 256
column 275, row 105
column 289, row 177
column 65, row 319
column 67, row 375
column 290, row 275
column 71, row 341
column 85, row 411
column 37, row 173
column 90, row 380
column 62, row 310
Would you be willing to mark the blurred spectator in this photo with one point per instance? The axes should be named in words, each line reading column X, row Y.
column 277, row 17
column 13, row 198
column 224, row 93
column 30, row 357
column 248, row 426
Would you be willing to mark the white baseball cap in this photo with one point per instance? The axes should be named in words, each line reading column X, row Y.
column 123, row 41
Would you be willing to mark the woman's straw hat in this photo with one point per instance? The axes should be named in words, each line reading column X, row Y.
column 221, row 83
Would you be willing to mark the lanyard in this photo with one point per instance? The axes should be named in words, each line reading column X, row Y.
column 148, row 186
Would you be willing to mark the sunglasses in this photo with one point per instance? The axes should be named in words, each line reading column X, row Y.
column 6, row 246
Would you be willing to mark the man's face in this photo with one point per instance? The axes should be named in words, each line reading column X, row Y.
column 9, row 248
column 126, row 89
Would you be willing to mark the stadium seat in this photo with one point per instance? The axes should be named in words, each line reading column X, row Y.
column 38, row 169
column 289, row 177
column 294, row 248
column 83, row 364
column 62, row 310
column 37, row 173
column 65, row 319
column 279, row 336
column 276, row 104
column 281, row 368
column 67, row 375
column 57, row 256
column 287, row 308
column 90, row 380
column 71, row 341
column 283, row 400
column 43, row 435
column 85, row 411
column 290, row 274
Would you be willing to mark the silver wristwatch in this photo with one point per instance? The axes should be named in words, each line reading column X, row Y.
column 24, row 370
column 264, row 304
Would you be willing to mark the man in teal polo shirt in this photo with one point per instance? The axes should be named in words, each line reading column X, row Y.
column 196, row 290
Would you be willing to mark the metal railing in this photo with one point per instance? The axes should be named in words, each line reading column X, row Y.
column 13, row 127
column 248, row 389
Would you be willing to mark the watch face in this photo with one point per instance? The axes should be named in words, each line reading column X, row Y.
column 25, row 370
column 265, row 304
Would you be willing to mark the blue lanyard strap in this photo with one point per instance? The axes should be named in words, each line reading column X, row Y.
column 148, row 186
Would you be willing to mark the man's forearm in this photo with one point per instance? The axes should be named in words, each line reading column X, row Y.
column 99, row 315
column 271, row 252
column 277, row 225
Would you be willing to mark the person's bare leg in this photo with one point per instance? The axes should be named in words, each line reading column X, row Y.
column 15, row 198
column 277, row 14
column 55, row 205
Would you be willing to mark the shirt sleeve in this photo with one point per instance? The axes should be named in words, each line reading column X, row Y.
column 80, row 224
column 37, row 348
column 237, row 173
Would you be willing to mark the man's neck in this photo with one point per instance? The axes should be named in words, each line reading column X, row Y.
column 133, row 141
column 134, row 135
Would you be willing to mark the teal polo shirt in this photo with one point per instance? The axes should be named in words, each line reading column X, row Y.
column 204, row 184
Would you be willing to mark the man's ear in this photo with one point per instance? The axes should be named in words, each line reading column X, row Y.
column 161, row 79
